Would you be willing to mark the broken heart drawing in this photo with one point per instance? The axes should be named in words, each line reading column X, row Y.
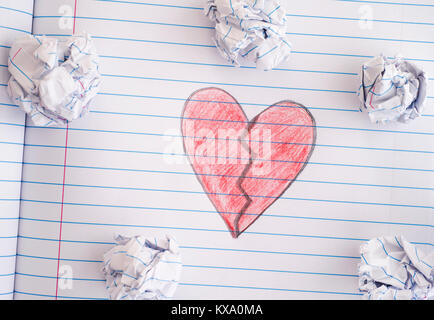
column 245, row 166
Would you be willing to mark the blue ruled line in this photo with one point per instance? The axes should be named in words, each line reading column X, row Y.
column 7, row 275
column 389, row 3
column 233, row 139
column 358, row 19
column 15, row 29
column 224, row 65
column 194, row 267
column 52, row 277
column 227, row 84
column 235, row 158
column 357, row 37
column 239, row 195
column 270, row 123
column 211, row 28
column 177, row 228
column 212, row 175
column 151, row 4
column 127, row 20
column 213, row 46
column 16, row 10
column 113, row 243
column 181, row 210
column 196, row 284
column 209, row 249
column 57, row 296
column 268, row 289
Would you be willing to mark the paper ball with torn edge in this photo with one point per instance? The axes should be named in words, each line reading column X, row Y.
column 250, row 30
column 53, row 80
column 140, row 268
column 392, row 268
column 392, row 90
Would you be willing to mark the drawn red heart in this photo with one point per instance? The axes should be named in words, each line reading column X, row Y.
column 243, row 166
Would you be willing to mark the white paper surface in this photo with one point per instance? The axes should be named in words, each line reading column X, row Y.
column 362, row 181
column 15, row 21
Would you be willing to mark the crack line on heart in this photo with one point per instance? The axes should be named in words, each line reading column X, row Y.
column 240, row 180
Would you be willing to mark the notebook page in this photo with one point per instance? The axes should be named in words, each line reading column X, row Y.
column 15, row 21
column 123, row 169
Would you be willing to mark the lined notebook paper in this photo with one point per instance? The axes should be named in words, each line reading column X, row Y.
column 15, row 20
column 122, row 169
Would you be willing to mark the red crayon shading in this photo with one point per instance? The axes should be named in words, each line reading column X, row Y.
column 245, row 166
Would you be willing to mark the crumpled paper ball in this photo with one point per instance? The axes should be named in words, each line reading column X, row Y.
column 392, row 268
column 138, row 268
column 53, row 80
column 392, row 90
column 250, row 30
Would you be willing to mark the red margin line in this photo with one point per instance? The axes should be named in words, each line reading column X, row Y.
column 63, row 184
column 61, row 210
column 75, row 12
column 16, row 54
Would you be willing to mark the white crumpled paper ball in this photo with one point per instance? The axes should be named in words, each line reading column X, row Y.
column 53, row 80
column 392, row 268
column 140, row 268
column 250, row 30
column 392, row 90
